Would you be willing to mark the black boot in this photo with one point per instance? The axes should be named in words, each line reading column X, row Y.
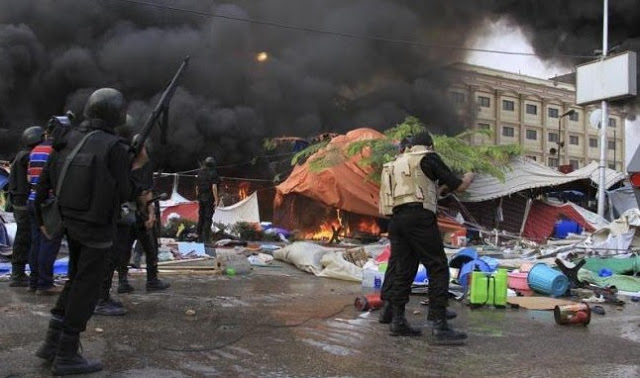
column 445, row 335
column 47, row 351
column 157, row 285
column 109, row 308
column 400, row 326
column 386, row 313
column 68, row 361
column 123, row 283
column 18, row 276
column 449, row 313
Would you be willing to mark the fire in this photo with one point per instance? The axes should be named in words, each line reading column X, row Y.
column 368, row 225
column 243, row 190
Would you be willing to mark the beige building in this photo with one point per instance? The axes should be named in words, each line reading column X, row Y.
column 533, row 113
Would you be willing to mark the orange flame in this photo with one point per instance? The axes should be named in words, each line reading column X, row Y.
column 368, row 225
column 243, row 190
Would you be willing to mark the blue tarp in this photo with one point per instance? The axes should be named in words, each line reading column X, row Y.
column 60, row 267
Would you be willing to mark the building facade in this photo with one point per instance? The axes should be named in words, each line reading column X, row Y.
column 535, row 113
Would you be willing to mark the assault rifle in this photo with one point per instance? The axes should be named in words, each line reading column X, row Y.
column 161, row 109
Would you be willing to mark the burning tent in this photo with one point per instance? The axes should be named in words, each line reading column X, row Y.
column 341, row 197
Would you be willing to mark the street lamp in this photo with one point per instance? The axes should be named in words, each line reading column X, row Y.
column 558, row 141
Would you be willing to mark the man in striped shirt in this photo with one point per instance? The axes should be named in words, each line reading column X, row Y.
column 43, row 250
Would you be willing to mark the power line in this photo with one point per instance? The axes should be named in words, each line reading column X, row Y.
column 350, row 35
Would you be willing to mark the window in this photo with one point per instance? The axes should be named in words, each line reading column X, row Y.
column 612, row 122
column 611, row 144
column 575, row 116
column 508, row 131
column 593, row 142
column 553, row 162
column 485, row 102
column 484, row 126
column 532, row 135
column 574, row 164
column 553, row 113
column 553, row 137
column 574, row 140
column 532, row 109
column 532, row 157
column 457, row 97
column 507, row 105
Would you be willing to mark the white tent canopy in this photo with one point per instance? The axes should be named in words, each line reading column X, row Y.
column 528, row 174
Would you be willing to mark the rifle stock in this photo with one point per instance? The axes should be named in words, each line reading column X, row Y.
column 161, row 107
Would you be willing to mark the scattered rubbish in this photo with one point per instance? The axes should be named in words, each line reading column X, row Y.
column 538, row 303
column 604, row 272
column 598, row 310
column 230, row 271
column 99, row 330
column 368, row 302
column 578, row 313
column 416, row 312
column 635, row 299
column 189, row 312
column 261, row 259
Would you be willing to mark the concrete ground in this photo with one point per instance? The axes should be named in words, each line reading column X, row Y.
column 280, row 322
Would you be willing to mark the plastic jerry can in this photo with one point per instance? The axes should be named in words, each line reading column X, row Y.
column 489, row 289
column 500, row 279
column 478, row 291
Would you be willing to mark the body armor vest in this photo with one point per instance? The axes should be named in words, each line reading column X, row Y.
column 18, row 180
column 89, row 191
column 404, row 182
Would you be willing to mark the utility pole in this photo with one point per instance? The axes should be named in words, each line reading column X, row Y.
column 605, row 117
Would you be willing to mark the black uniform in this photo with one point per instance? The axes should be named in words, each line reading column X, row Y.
column 207, row 177
column 19, row 192
column 415, row 238
column 130, row 229
column 97, row 181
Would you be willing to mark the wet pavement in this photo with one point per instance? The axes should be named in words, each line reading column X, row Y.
column 280, row 322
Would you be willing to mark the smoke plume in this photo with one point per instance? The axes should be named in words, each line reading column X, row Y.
column 53, row 54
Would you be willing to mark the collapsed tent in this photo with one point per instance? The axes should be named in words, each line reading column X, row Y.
column 307, row 197
column 524, row 174
column 246, row 210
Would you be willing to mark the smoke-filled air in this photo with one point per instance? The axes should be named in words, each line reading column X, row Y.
column 274, row 76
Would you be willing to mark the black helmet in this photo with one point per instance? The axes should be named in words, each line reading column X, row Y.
column 107, row 104
column 126, row 129
column 422, row 139
column 32, row 136
column 210, row 162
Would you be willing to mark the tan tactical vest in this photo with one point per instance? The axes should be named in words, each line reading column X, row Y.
column 403, row 182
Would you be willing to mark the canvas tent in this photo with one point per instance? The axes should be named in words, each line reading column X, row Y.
column 346, row 186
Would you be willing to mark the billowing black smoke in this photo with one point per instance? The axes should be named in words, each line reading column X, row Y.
column 53, row 54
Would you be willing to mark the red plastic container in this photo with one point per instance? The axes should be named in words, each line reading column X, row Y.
column 518, row 281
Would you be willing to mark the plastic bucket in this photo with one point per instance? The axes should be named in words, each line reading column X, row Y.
column 465, row 271
column 462, row 257
column 543, row 279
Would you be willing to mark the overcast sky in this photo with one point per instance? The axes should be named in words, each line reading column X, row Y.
column 499, row 36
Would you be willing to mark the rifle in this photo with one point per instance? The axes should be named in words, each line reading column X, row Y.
column 162, row 108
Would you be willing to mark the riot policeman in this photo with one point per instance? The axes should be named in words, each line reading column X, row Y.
column 208, row 199
column 408, row 194
column 19, row 193
column 92, row 185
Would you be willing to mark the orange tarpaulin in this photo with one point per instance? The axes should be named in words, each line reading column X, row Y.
column 345, row 186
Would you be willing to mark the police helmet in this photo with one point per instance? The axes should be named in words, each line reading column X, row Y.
column 422, row 139
column 32, row 136
column 107, row 104
column 210, row 162
column 126, row 129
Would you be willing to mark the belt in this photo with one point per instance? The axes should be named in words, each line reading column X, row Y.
column 407, row 206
